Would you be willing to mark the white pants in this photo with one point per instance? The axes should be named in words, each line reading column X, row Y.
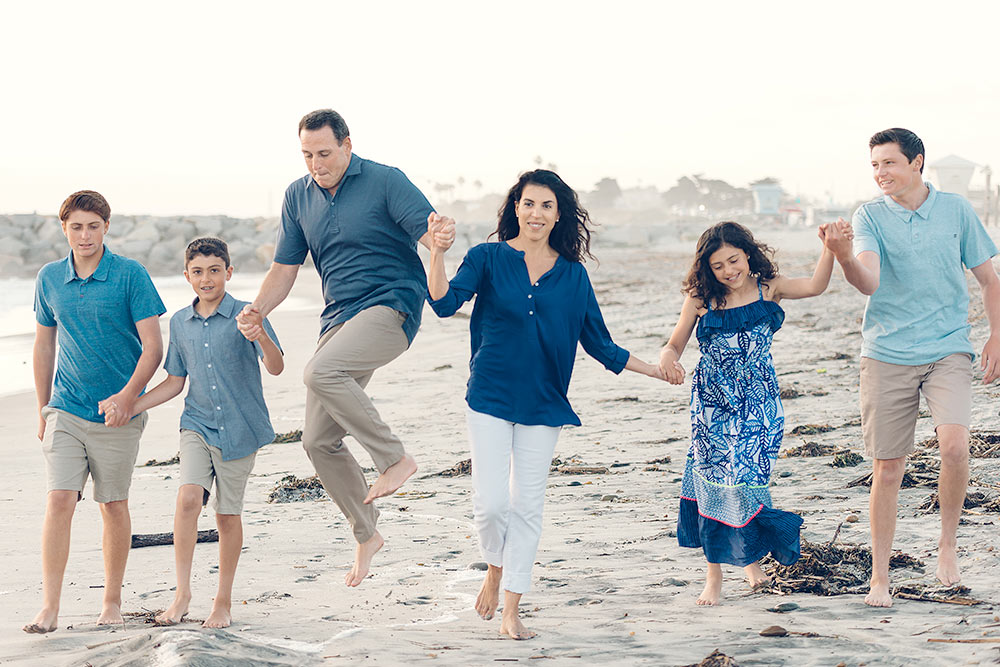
column 510, row 468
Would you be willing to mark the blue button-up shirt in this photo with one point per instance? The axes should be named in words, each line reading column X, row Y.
column 225, row 399
column 524, row 335
column 920, row 311
column 95, row 320
column 363, row 241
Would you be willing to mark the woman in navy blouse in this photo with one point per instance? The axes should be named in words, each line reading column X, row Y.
column 534, row 304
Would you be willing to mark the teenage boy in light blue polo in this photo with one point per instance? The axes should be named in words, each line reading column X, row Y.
column 103, row 311
column 911, row 249
column 224, row 423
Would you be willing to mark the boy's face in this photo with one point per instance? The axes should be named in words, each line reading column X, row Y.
column 85, row 232
column 208, row 275
column 893, row 173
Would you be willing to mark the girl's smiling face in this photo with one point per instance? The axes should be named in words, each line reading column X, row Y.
column 730, row 266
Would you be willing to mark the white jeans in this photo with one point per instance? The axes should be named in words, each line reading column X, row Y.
column 510, row 468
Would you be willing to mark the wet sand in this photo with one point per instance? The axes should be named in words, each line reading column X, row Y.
column 611, row 586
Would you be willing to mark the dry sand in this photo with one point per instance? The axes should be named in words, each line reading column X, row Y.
column 611, row 586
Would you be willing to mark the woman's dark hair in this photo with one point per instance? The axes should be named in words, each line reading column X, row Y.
column 701, row 282
column 571, row 235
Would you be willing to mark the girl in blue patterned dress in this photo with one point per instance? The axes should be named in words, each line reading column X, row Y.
column 737, row 422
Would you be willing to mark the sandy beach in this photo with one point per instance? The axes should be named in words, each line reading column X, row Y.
column 611, row 586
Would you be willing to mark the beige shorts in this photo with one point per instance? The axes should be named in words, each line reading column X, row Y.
column 75, row 448
column 890, row 398
column 201, row 463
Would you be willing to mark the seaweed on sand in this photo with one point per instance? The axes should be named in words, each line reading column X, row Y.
column 290, row 489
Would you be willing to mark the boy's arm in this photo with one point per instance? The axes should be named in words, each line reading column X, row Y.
column 161, row 393
column 118, row 408
column 274, row 361
column 43, row 360
column 986, row 275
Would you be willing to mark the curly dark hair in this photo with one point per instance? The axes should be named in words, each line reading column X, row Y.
column 571, row 235
column 701, row 282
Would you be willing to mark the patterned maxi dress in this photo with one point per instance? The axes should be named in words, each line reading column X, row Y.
column 736, row 428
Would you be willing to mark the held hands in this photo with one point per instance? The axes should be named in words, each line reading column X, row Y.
column 838, row 238
column 442, row 229
column 670, row 367
column 250, row 322
column 117, row 409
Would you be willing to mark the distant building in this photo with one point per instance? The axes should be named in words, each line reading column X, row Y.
column 953, row 174
column 767, row 194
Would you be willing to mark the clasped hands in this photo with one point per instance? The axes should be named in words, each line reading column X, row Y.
column 442, row 231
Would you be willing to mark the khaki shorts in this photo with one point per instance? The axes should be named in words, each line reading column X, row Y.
column 890, row 398
column 75, row 448
column 201, row 463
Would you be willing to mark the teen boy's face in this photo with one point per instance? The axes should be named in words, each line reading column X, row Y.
column 208, row 275
column 85, row 232
column 894, row 174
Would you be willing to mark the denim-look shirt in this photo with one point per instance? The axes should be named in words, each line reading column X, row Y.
column 363, row 241
column 524, row 334
column 95, row 320
column 225, row 400
column 920, row 311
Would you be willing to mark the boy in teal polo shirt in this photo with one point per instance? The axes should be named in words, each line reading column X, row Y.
column 104, row 311
column 224, row 423
column 911, row 249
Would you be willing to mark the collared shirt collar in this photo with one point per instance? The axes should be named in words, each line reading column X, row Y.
column 353, row 169
column 100, row 273
column 924, row 210
column 226, row 307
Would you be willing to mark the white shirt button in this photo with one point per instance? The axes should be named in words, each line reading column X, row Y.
column 213, row 386
column 210, row 365
column 529, row 296
column 218, row 407
column 531, row 312
column 206, row 324
column 222, row 428
column 206, row 344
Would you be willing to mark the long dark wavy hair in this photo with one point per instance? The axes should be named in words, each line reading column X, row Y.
column 702, row 284
column 571, row 235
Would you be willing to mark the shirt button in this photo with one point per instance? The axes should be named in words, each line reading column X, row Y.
column 531, row 312
column 213, row 386
column 529, row 296
column 210, row 365
column 536, row 284
column 206, row 324
column 218, row 407
column 222, row 428
column 206, row 344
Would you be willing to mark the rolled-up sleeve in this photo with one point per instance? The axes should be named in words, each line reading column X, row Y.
column 463, row 286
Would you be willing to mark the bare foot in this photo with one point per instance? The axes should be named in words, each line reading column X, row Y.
column 219, row 618
column 363, row 559
column 111, row 614
column 947, row 569
column 756, row 576
column 510, row 625
column 175, row 613
column 393, row 478
column 878, row 595
column 713, row 586
column 489, row 594
column 45, row 621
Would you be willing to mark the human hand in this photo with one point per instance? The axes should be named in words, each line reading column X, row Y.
column 670, row 366
column 117, row 409
column 442, row 229
column 838, row 239
column 41, row 426
column 250, row 322
column 990, row 362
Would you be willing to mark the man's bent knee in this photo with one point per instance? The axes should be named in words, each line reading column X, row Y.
column 61, row 501
column 889, row 471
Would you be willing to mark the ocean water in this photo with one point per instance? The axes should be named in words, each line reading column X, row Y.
column 17, row 319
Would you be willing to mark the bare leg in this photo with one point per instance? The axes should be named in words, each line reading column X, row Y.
column 510, row 620
column 489, row 593
column 393, row 478
column 230, row 544
column 952, row 485
column 713, row 585
column 363, row 559
column 117, row 540
column 882, row 505
column 755, row 575
column 59, row 508
column 189, row 500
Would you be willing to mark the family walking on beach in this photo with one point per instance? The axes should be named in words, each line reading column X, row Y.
column 361, row 223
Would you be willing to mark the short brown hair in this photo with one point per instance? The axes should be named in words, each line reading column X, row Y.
column 317, row 120
column 209, row 247
column 86, row 200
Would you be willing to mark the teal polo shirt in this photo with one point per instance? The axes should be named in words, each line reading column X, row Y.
column 95, row 320
column 920, row 311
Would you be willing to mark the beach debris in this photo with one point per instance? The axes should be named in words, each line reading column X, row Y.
column 973, row 500
column 148, row 617
column 828, row 569
column 609, row 498
column 847, row 460
column 291, row 436
column 774, row 631
column 789, row 392
column 716, row 659
column 982, row 444
column 923, row 472
column 662, row 459
column 581, row 470
column 809, row 449
column 785, row 473
column 460, row 469
column 161, row 539
column 152, row 463
column 812, row 429
column 783, row 608
column 852, row 518
column 479, row 565
column 619, row 399
column 979, row 640
column 442, row 367
column 926, row 593
column 291, row 489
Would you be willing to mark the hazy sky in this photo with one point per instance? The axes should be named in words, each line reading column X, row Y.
column 193, row 108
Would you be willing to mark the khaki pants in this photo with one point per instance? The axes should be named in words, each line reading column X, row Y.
column 336, row 404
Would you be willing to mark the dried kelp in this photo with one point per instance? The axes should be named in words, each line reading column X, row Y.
column 291, row 436
column 291, row 489
column 830, row 569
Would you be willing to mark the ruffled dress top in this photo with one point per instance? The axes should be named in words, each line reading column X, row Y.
column 737, row 424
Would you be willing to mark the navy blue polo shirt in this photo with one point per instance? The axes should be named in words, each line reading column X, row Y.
column 225, row 399
column 95, row 320
column 524, row 335
column 363, row 241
